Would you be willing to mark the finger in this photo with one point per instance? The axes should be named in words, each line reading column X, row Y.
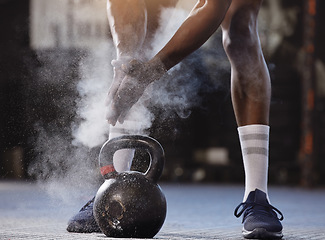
column 123, row 105
column 112, row 92
column 123, row 115
column 111, row 115
column 115, row 108
column 126, row 108
column 113, row 112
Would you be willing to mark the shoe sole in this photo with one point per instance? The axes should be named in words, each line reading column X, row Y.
column 261, row 233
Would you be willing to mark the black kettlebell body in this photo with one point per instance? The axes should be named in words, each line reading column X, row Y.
column 131, row 204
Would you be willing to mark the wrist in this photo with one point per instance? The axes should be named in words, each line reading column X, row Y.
column 145, row 72
column 121, row 60
column 157, row 66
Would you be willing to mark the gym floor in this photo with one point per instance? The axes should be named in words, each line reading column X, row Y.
column 35, row 211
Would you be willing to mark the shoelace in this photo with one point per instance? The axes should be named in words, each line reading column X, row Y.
column 246, row 206
column 87, row 205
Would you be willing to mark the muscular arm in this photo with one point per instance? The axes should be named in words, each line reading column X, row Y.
column 203, row 21
column 128, row 25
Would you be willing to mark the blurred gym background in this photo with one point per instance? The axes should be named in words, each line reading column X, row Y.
column 44, row 39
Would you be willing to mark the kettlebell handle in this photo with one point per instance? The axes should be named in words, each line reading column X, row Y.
column 152, row 146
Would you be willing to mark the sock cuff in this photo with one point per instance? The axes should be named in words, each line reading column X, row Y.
column 253, row 128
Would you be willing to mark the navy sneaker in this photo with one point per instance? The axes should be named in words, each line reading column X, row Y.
column 260, row 219
column 84, row 221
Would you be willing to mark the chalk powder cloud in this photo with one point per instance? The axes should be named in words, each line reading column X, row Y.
column 63, row 160
column 67, row 164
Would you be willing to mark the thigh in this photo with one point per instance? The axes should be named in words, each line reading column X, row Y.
column 241, row 13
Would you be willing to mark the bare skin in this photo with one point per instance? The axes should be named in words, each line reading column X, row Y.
column 250, row 81
column 128, row 24
column 133, row 24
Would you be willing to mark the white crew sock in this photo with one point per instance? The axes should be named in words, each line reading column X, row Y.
column 254, row 141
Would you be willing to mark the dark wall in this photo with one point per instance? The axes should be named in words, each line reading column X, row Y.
column 14, row 50
column 14, row 53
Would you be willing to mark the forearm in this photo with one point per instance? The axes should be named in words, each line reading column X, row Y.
column 128, row 25
column 202, row 22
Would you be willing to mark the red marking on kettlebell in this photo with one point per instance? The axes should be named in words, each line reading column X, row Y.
column 131, row 204
column 107, row 169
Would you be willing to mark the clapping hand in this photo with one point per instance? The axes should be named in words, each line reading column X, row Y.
column 125, row 92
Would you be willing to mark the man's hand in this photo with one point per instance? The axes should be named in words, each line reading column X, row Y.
column 124, row 93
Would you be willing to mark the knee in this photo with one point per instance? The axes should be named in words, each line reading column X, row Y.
column 241, row 35
column 241, row 40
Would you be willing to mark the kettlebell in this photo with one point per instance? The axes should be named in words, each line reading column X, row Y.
column 130, row 204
